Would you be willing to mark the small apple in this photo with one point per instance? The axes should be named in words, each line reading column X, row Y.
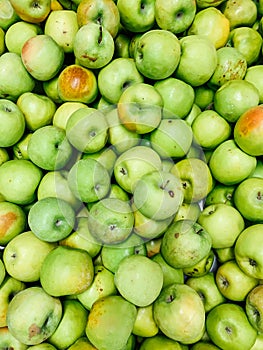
column 43, row 312
column 207, row 3
column 20, row 148
column 33, row 12
column 2, row 272
column 225, row 254
column 144, row 325
column 208, row 263
column 64, row 111
column 241, row 13
column 82, row 343
column 161, row 342
column 253, row 75
column 195, row 110
column 221, row 194
column 7, row 340
column 254, row 308
column 8, row 15
column 204, row 97
column 122, row 44
column 170, row 274
column 187, row 211
column 50, row 88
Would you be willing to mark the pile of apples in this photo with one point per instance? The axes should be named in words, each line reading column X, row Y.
column 131, row 175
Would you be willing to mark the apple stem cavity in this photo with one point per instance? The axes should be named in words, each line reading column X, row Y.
column 170, row 298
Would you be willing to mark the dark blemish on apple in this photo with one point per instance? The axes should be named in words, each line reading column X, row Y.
column 123, row 171
column 256, row 313
column 259, row 196
column 92, row 59
column 170, row 121
column 199, row 231
column 176, row 235
column 184, row 184
column 33, row 330
column 252, row 262
column 228, row 330
column 13, row 255
column 93, row 133
column 36, row 5
column 195, row 269
column 171, row 193
column 112, row 227
column 179, row 15
column 100, row 36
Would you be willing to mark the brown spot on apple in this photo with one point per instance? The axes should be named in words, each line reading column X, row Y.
column 6, row 221
column 33, row 330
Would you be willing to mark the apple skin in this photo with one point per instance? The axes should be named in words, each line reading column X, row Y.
column 161, row 342
column 208, row 263
column 144, row 325
column 248, row 130
column 35, row 12
column 207, row 3
column 241, row 13
column 64, row 111
column 39, row 324
column 254, row 76
column 170, row 274
column 228, row 327
column 254, row 308
column 8, row 15
column 9, row 341
column 221, row 194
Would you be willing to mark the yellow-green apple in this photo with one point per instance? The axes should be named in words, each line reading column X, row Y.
column 228, row 327
column 116, row 76
column 229, row 279
column 20, row 148
column 153, row 246
column 244, row 96
column 93, row 46
column 51, row 219
column 21, row 81
column 210, row 129
column 229, row 164
column 111, row 220
column 248, row 130
column 117, row 192
column 204, row 52
column 38, row 109
column 189, row 211
column 212, row 23
column 19, row 180
column 18, row 33
column 4, row 155
column 258, row 343
column 175, row 16
column 207, row 289
column 62, row 26
column 170, row 274
column 23, row 256
column 64, row 111
column 225, row 254
column 107, row 157
column 8, row 15
column 221, row 194
column 196, row 178
column 144, row 325
column 207, row 3
column 153, row 47
column 8, row 289
column 195, row 110
column 204, row 345
column 43, row 314
column 59, row 278
column 248, row 199
column 140, row 108
column 241, row 13
column 247, row 254
column 87, row 130
column 101, row 286
column 35, row 53
column 208, row 263
column 178, row 97
column 82, row 343
column 110, row 322
column 89, row 180
column 103, row 12
column 136, row 16
column 161, row 342
column 7, row 340
column 71, row 326
column 204, row 96
column 77, row 84
column 2, row 41
column 254, row 75
column 172, row 138
column 32, row 12
column 180, row 299
column 42, row 346
column 254, row 307
column 223, row 222
column 185, row 243
column 50, row 88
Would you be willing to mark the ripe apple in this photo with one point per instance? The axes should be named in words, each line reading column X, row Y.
column 243, row 13
column 19, row 180
column 153, row 47
column 62, row 26
column 248, row 130
column 66, row 271
column 253, row 75
column 8, row 15
column 225, row 254
column 7, row 340
column 77, row 84
column 170, row 274
column 228, row 327
column 39, row 50
column 21, row 81
column 23, row 256
column 175, row 16
column 180, row 299
column 43, row 312
column 33, row 12
column 253, row 307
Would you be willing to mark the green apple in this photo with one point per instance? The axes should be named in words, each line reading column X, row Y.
column 102, row 286
column 232, row 282
column 242, row 13
column 204, row 345
column 77, row 84
column 204, row 97
column 258, row 343
column 42, row 346
column 38, row 109
column 172, row 138
column 58, row 277
column 117, row 192
column 4, row 155
column 43, row 314
column 107, row 157
column 253, row 75
column 116, row 76
column 195, row 110
column 153, row 47
column 122, row 44
column 223, row 222
column 221, row 194
column 170, row 274
column 20, row 148
column 175, row 16
column 64, row 111
column 110, row 322
column 23, row 256
column 248, row 199
column 228, row 327
column 8, row 15
column 11, row 65
column 35, row 12
column 139, row 279
column 140, row 108
column 137, row 16
column 248, row 131
column 229, row 164
column 144, row 325
column 161, row 342
column 180, row 299
column 185, row 243
column 111, row 220
column 37, row 51
column 18, row 33
column 208, row 263
column 244, row 95
column 178, row 96
column 87, row 130
column 196, row 178
column 50, row 88
column 71, row 326
column 225, row 254
column 253, row 307
column 207, row 3
column 62, row 26
column 200, row 49
column 2, row 272
column 103, row 12
column 7, row 340
column 247, row 254
column 8, row 289
column 19, row 180
column 189, row 211
column 82, row 343
column 49, row 148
